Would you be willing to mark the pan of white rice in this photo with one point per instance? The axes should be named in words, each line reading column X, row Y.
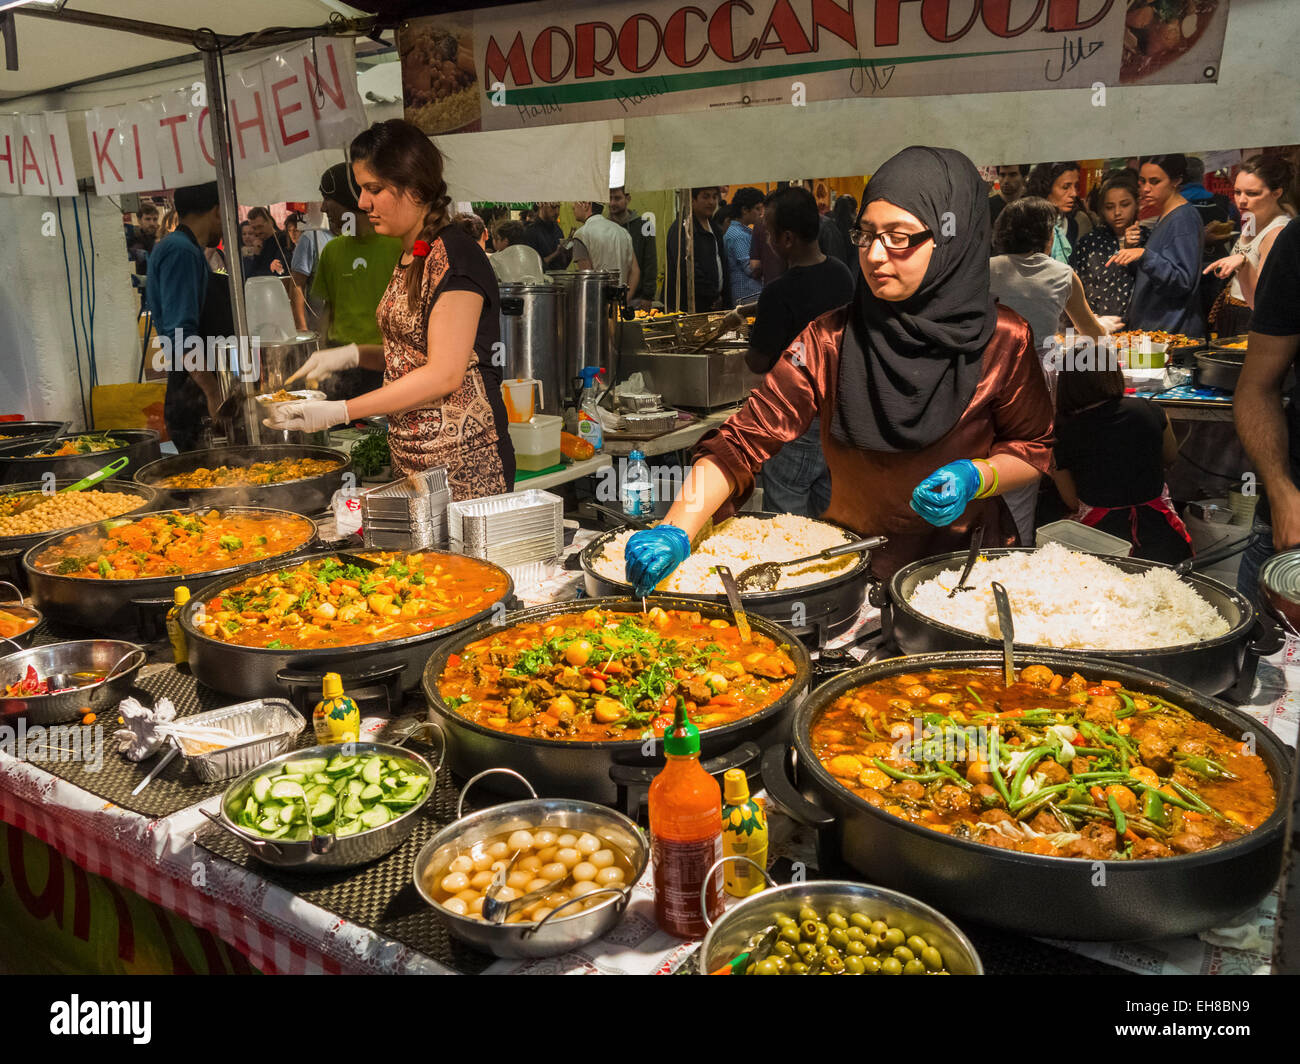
column 817, row 600
column 1189, row 628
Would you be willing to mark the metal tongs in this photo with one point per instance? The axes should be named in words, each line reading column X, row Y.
column 976, row 542
column 495, row 912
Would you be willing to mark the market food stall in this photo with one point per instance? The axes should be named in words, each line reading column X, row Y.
column 367, row 914
column 942, row 791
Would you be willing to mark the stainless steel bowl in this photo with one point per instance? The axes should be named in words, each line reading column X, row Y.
column 325, row 853
column 81, row 655
column 556, row 933
column 18, row 606
column 729, row 936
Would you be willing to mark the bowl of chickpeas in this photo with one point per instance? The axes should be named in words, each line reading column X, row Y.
column 837, row 927
column 36, row 510
column 564, row 871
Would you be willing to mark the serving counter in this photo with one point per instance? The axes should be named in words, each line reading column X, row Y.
column 158, row 846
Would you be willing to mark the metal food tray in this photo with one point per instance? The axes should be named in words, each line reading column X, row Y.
column 502, row 518
column 261, row 716
column 406, row 507
column 426, row 482
column 410, row 540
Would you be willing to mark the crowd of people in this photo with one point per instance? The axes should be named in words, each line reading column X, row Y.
column 906, row 387
column 1146, row 248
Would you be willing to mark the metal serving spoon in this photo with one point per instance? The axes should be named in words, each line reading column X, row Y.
column 63, row 681
column 733, row 599
column 1007, row 628
column 764, row 575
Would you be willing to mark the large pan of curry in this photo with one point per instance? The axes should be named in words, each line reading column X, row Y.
column 284, row 625
column 569, row 692
column 285, row 476
column 1123, row 805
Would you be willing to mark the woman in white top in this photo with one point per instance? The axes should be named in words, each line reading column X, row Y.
column 1026, row 278
column 1261, row 183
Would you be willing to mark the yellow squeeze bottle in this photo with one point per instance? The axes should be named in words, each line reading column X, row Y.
column 175, row 633
column 744, row 834
column 336, row 717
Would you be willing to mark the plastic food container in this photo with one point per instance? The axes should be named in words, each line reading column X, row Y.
column 1077, row 536
column 537, row 442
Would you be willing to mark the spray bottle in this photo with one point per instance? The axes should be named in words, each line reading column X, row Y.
column 589, row 427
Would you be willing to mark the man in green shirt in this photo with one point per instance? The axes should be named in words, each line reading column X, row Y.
column 351, row 274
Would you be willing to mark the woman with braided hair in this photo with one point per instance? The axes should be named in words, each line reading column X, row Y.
column 439, row 322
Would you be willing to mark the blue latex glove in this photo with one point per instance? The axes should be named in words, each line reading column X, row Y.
column 652, row 554
column 942, row 496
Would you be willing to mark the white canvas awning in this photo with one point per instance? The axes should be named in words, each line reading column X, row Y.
column 53, row 52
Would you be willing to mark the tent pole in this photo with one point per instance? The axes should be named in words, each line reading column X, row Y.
column 230, row 231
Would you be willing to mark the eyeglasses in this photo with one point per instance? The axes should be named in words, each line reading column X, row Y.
column 892, row 241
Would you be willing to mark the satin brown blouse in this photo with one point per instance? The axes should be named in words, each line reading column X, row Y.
column 871, row 491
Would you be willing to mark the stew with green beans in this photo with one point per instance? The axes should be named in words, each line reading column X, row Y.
column 604, row 674
column 1050, row 765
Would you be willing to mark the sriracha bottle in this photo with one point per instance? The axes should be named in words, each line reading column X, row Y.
column 685, row 833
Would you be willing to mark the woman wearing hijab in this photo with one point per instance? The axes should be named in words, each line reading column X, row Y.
column 931, row 398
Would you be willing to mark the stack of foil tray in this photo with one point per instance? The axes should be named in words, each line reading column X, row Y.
column 508, row 529
column 408, row 514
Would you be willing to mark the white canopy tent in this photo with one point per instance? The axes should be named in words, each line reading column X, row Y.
column 558, row 162
column 54, row 52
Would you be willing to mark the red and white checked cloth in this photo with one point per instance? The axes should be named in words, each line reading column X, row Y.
column 277, row 931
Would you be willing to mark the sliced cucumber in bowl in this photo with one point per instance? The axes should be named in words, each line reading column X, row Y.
column 338, row 796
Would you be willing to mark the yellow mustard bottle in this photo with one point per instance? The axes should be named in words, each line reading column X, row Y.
column 336, row 717
column 175, row 633
column 744, row 834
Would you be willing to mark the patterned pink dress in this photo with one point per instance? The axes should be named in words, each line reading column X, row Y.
column 460, row 431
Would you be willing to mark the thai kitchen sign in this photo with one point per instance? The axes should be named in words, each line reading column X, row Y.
column 540, row 64
column 300, row 99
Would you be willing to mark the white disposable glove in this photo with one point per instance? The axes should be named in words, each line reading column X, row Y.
column 307, row 415
column 327, row 362
column 1111, row 323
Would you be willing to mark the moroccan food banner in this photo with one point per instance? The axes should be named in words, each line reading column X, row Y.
column 534, row 64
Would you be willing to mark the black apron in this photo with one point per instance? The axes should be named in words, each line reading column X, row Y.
column 185, row 405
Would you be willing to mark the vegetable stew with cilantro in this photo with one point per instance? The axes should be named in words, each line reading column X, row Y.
column 176, row 543
column 1050, row 765
column 327, row 602
column 601, row 675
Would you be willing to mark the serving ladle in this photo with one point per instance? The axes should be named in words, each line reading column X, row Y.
column 764, row 575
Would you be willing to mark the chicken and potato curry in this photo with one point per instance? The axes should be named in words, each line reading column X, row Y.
column 1054, row 766
column 603, row 674
column 327, row 602
column 175, row 544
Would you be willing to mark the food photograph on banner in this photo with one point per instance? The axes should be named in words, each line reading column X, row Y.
column 648, row 487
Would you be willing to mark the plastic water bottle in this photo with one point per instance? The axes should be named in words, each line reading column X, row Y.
column 638, row 489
